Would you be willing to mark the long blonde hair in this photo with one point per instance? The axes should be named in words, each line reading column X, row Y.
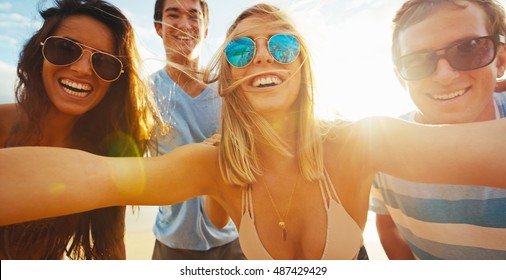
column 242, row 127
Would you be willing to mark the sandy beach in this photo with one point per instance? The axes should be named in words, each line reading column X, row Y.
column 140, row 239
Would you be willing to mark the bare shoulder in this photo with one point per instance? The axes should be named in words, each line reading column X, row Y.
column 338, row 135
column 8, row 116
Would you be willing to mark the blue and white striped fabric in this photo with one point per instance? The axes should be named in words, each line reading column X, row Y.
column 446, row 221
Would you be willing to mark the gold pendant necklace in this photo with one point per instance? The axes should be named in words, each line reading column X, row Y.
column 282, row 219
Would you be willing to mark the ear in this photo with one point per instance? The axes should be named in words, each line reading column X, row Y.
column 206, row 32
column 501, row 61
column 158, row 29
column 500, row 85
column 400, row 79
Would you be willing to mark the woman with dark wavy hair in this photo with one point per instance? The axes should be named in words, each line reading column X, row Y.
column 78, row 88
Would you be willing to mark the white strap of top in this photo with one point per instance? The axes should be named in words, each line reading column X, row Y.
column 247, row 201
column 327, row 189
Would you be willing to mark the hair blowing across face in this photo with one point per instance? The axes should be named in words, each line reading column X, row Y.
column 158, row 14
column 243, row 128
column 120, row 125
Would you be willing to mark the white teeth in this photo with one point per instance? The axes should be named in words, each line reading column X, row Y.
column 184, row 38
column 449, row 95
column 267, row 81
column 76, row 89
column 75, row 85
column 75, row 93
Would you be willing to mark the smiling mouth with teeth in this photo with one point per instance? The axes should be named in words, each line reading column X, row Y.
column 267, row 81
column 75, row 89
column 185, row 37
column 450, row 95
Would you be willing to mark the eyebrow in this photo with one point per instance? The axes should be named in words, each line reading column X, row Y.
column 178, row 10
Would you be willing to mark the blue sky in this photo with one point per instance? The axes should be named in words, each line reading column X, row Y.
column 20, row 18
column 349, row 41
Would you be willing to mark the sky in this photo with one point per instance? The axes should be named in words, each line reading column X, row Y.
column 349, row 42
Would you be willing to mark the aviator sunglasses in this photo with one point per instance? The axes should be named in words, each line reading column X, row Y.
column 284, row 48
column 462, row 56
column 62, row 52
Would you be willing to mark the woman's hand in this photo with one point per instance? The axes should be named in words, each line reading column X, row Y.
column 213, row 140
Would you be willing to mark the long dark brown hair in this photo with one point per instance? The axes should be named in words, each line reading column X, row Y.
column 120, row 125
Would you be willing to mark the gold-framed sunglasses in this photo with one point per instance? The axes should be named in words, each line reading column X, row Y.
column 62, row 51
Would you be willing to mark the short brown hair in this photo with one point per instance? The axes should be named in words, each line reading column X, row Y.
column 414, row 11
column 158, row 14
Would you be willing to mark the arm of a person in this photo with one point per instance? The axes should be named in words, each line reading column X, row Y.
column 215, row 212
column 469, row 154
column 40, row 182
column 212, row 208
column 393, row 243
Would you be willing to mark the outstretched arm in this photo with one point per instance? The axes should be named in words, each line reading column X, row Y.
column 469, row 154
column 396, row 248
column 40, row 182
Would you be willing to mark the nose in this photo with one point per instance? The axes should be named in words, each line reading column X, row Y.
column 444, row 74
column 262, row 54
column 184, row 23
column 83, row 65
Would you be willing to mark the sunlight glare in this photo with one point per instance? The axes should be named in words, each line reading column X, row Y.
column 352, row 62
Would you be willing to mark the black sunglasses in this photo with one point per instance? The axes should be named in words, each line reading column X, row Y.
column 62, row 51
column 462, row 56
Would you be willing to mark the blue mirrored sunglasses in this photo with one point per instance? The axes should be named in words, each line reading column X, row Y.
column 284, row 48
